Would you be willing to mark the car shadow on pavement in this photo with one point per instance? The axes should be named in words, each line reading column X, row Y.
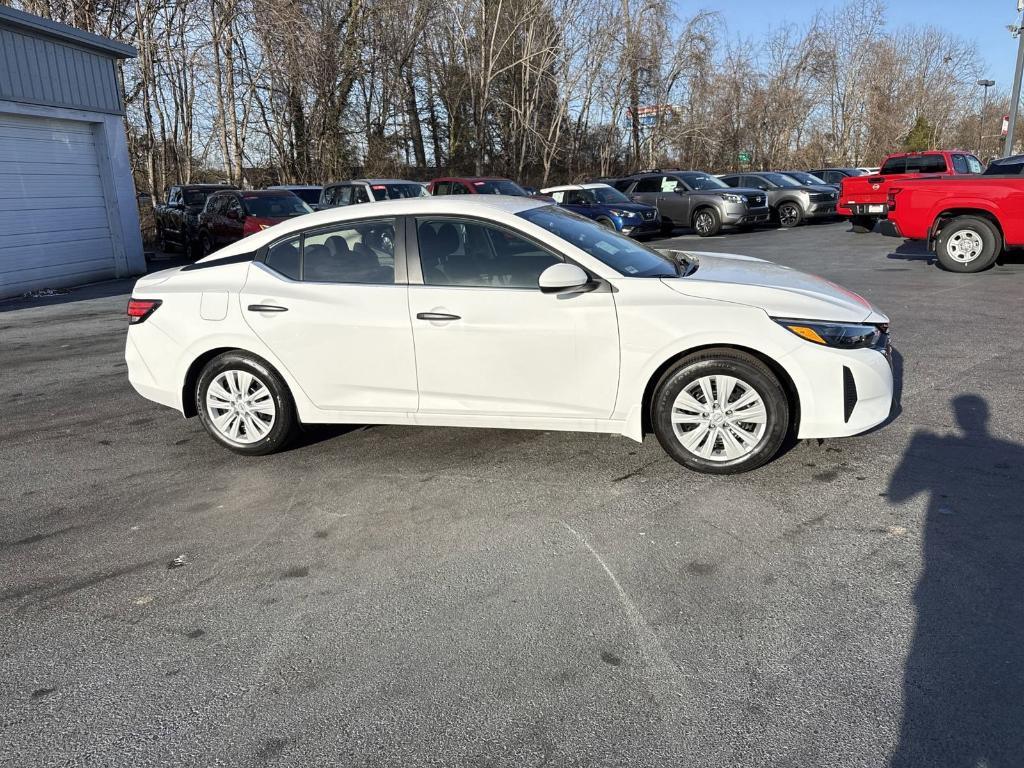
column 964, row 676
column 913, row 250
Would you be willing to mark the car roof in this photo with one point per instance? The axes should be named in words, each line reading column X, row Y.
column 295, row 186
column 472, row 178
column 595, row 185
column 224, row 187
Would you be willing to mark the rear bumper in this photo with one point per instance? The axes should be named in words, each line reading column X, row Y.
column 874, row 210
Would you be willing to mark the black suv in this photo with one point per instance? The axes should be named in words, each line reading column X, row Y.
column 696, row 199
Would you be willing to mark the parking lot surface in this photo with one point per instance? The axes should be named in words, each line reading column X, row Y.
column 393, row 596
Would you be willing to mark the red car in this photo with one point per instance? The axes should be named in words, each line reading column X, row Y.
column 967, row 221
column 232, row 214
column 478, row 185
column 863, row 198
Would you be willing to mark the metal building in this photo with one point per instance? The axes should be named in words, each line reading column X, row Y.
column 68, row 213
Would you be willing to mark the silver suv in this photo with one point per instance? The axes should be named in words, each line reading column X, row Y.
column 696, row 199
column 790, row 201
column 367, row 191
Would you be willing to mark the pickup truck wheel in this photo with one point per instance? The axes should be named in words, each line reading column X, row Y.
column 707, row 222
column 967, row 244
column 790, row 215
column 862, row 224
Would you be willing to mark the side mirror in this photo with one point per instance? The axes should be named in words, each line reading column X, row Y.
column 563, row 278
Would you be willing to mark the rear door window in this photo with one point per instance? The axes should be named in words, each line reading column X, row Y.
column 960, row 164
column 649, row 184
column 894, row 165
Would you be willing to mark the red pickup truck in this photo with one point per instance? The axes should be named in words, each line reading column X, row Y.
column 863, row 198
column 967, row 221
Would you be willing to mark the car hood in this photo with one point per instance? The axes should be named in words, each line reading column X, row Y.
column 780, row 291
column 634, row 207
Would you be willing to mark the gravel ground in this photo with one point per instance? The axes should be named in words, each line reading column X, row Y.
column 392, row 596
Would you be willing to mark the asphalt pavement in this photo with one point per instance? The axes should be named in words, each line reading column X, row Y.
column 397, row 596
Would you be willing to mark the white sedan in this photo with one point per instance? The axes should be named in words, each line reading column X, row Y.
column 505, row 312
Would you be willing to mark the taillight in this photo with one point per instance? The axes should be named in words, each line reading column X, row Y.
column 140, row 309
column 891, row 199
column 254, row 224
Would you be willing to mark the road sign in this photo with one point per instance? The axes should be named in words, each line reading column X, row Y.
column 744, row 157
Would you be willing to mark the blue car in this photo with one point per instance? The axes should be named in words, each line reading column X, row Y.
column 606, row 205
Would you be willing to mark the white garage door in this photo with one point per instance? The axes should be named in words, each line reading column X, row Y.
column 54, row 229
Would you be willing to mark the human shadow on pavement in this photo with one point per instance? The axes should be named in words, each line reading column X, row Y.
column 964, row 677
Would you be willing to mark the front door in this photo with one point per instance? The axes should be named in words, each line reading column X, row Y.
column 327, row 304
column 489, row 342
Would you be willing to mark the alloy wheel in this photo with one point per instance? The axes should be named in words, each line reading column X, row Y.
column 719, row 418
column 965, row 246
column 788, row 215
column 240, row 406
column 704, row 223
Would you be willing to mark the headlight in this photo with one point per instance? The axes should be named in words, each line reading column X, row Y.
column 734, row 198
column 841, row 335
column 617, row 212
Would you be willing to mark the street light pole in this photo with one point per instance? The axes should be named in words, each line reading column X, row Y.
column 985, row 85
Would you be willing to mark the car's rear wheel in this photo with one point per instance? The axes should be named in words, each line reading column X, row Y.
column 968, row 244
column 245, row 405
column 790, row 215
column 720, row 411
column 862, row 224
column 707, row 222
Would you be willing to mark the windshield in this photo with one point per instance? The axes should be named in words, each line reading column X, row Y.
column 804, row 178
column 311, row 196
column 625, row 256
column 779, row 180
column 281, row 206
column 606, row 195
column 196, row 198
column 397, row 191
column 499, row 187
column 703, row 181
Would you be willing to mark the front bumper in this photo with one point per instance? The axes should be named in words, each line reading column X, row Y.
column 820, row 210
column 636, row 226
column 736, row 213
column 842, row 392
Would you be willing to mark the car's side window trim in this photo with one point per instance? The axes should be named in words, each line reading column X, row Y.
column 400, row 258
column 412, row 250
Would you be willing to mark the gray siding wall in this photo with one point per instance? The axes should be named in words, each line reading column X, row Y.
column 41, row 70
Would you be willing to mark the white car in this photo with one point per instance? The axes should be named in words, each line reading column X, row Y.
column 505, row 312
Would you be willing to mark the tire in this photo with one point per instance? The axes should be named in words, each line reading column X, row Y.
column 667, row 227
column 719, row 443
column 968, row 244
column 162, row 243
column 707, row 222
column 862, row 224
column 790, row 215
column 190, row 250
column 238, row 374
column 606, row 223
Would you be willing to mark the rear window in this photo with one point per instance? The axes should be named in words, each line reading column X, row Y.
column 915, row 164
column 397, row 191
column 196, row 197
column 274, row 206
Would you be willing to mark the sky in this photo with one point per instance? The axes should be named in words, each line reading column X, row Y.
column 985, row 23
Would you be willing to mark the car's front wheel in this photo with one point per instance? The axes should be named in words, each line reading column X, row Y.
column 720, row 411
column 245, row 405
column 968, row 244
column 790, row 215
column 707, row 222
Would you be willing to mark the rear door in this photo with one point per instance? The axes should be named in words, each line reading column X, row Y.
column 334, row 309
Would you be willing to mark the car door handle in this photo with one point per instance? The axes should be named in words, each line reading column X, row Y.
column 436, row 316
column 266, row 308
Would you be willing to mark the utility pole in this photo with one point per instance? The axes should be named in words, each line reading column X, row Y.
column 1015, row 30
